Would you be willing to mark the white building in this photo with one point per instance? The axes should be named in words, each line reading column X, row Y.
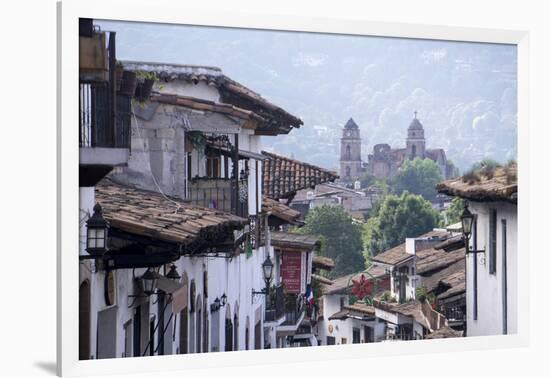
column 342, row 322
column 491, row 274
column 189, row 201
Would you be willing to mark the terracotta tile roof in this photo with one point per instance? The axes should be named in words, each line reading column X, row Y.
column 340, row 284
column 149, row 214
column 208, row 106
column 281, row 210
column 451, row 244
column 393, row 255
column 398, row 254
column 432, row 259
column 412, row 309
column 283, row 177
column 279, row 120
column 321, row 279
column 357, row 310
column 444, row 333
column 322, row 262
column 290, row 240
column 502, row 186
column 431, row 281
column 456, row 283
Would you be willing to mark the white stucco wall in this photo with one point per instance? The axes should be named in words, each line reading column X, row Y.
column 344, row 328
column 490, row 286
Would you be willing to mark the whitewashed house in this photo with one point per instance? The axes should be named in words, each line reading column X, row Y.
column 408, row 264
column 187, row 214
column 104, row 143
column 491, row 274
column 342, row 322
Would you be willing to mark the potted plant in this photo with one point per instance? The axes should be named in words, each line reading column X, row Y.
column 129, row 83
column 145, row 85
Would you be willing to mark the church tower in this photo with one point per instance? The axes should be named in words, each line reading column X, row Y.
column 350, row 153
column 416, row 143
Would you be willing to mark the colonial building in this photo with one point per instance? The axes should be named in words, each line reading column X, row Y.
column 343, row 322
column 356, row 202
column 183, row 262
column 491, row 277
column 385, row 161
column 351, row 165
column 433, row 262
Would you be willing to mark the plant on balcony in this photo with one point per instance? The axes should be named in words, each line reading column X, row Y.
column 198, row 141
column 145, row 85
column 128, row 83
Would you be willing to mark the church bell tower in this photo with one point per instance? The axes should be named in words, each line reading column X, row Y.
column 416, row 143
column 350, row 153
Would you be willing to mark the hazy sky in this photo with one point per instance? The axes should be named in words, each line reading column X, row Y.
column 465, row 93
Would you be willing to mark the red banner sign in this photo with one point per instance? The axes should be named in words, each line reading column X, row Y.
column 291, row 269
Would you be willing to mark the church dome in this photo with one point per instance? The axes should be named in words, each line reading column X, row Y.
column 415, row 124
column 351, row 124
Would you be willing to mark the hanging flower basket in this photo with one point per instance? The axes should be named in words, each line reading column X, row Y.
column 146, row 80
column 128, row 84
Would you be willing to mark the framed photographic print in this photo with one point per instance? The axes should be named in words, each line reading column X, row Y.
column 286, row 188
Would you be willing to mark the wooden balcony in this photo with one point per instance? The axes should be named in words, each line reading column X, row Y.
column 104, row 115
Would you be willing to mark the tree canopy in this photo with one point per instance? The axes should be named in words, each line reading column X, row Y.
column 418, row 176
column 398, row 218
column 341, row 238
column 453, row 213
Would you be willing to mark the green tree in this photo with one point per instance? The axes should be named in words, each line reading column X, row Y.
column 418, row 176
column 398, row 218
column 453, row 213
column 341, row 238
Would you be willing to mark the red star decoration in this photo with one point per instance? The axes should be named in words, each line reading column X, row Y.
column 360, row 287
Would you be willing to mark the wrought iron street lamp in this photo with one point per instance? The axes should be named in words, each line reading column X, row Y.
column 173, row 273
column 150, row 279
column 97, row 232
column 216, row 305
column 267, row 270
column 467, row 220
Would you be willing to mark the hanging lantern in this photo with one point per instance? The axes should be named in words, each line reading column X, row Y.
column 97, row 232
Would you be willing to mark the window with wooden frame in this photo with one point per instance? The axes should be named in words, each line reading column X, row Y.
column 493, row 241
column 213, row 165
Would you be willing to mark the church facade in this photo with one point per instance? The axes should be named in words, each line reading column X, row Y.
column 385, row 161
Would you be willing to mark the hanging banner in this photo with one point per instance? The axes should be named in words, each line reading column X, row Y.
column 291, row 272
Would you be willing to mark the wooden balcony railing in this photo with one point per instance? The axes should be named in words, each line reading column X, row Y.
column 275, row 308
column 218, row 193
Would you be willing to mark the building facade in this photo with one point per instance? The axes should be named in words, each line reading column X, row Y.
column 184, row 210
column 491, row 277
column 385, row 161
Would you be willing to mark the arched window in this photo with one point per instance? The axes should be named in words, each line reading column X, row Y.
column 348, row 152
column 84, row 322
column 348, row 172
column 413, row 154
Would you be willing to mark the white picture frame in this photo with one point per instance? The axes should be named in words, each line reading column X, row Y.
column 68, row 198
